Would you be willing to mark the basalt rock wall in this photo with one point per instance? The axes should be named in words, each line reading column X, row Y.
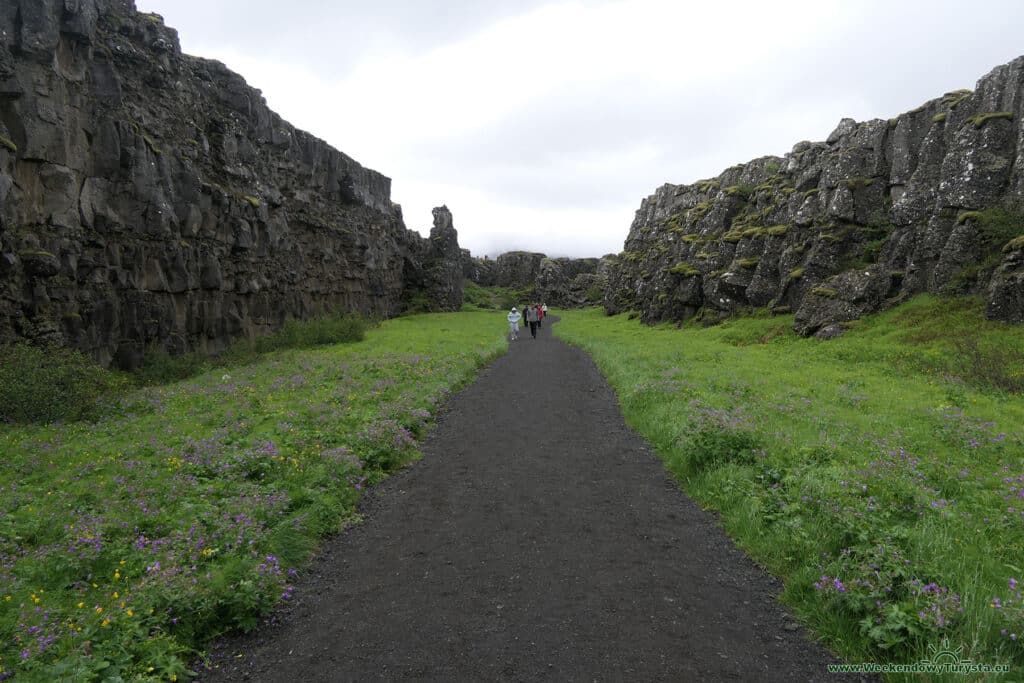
column 562, row 282
column 150, row 198
column 930, row 201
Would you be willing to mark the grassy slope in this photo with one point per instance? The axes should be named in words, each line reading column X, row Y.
column 886, row 491
column 126, row 543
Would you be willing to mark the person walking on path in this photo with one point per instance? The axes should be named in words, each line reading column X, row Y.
column 513, row 323
column 533, row 317
column 540, row 316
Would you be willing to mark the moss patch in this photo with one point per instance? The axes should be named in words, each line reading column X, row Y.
column 858, row 183
column 826, row 292
column 748, row 262
column 980, row 120
column 997, row 225
column 8, row 144
column 955, row 97
column 152, row 145
column 1016, row 244
column 684, row 269
column 939, row 118
column 743, row 191
column 777, row 230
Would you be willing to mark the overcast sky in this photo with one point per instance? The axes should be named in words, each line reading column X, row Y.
column 542, row 125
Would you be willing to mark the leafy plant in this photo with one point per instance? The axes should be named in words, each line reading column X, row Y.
column 47, row 384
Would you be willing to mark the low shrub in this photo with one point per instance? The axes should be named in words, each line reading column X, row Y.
column 713, row 446
column 44, row 385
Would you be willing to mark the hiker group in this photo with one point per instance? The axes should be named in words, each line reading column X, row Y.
column 534, row 315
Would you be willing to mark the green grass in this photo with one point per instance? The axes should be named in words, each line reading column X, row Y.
column 476, row 298
column 159, row 367
column 127, row 543
column 881, row 475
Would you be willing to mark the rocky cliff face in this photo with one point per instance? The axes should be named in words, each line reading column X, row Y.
column 517, row 268
column 929, row 201
column 568, row 283
column 563, row 282
column 151, row 198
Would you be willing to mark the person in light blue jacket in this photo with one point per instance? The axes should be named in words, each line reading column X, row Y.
column 513, row 323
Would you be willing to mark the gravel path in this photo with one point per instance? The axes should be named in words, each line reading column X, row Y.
column 538, row 539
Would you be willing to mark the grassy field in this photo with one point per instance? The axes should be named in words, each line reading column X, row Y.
column 880, row 474
column 129, row 541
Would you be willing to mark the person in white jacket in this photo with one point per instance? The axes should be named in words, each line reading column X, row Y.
column 513, row 323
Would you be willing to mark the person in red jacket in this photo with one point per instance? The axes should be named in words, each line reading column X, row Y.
column 540, row 315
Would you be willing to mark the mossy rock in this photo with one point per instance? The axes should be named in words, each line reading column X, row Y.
column 8, row 145
column 997, row 225
column 733, row 236
column 743, row 191
column 826, row 292
column 858, row 183
column 1016, row 244
column 777, row 230
column 691, row 237
column 153, row 147
column 939, row 118
column 955, row 97
column 796, row 273
column 684, row 269
column 813, row 191
column 979, row 120
column 748, row 262
column 707, row 185
column 699, row 210
column 754, row 231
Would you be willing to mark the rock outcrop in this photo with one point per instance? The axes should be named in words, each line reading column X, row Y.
column 569, row 283
column 149, row 198
column 562, row 282
column 517, row 269
column 446, row 269
column 932, row 200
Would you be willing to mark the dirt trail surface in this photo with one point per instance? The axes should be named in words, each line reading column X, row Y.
column 538, row 539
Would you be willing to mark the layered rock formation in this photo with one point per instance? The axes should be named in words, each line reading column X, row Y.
column 929, row 201
column 517, row 269
column 569, row 283
column 446, row 263
column 149, row 198
column 562, row 282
